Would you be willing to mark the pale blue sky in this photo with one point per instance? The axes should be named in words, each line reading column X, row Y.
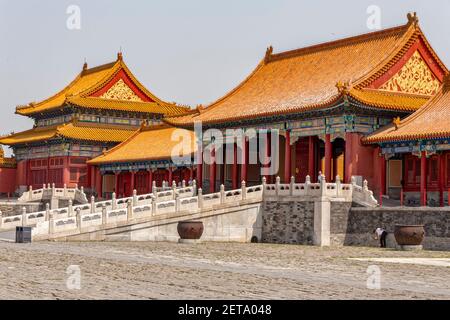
column 190, row 52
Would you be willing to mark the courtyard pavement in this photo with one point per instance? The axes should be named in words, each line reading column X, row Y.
column 218, row 271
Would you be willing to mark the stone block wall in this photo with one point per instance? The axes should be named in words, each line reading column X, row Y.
column 362, row 221
column 288, row 222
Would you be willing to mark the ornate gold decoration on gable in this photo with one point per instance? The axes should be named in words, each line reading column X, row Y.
column 120, row 91
column 414, row 77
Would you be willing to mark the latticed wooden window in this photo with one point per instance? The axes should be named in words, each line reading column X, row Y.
column 412, row 171
column 78, row 175
column 38, row 177
column 78, row 161
column 55, row 176
column 141, row 184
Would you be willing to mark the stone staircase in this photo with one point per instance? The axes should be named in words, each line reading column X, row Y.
column 54, row 195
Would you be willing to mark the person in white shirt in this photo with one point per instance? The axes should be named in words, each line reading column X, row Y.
column 381, row 234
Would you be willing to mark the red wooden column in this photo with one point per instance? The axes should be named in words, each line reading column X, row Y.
column 93, row 177
column 244, row 160
column 191, row 173
column 66, row 172
column 382, row 173
column 133, row 174
column 116, row 183
column 311, row 158
column 328, row 157
column 234, row 169
column 199, row 175
column 212, row 170
column 287, row 157
column 222, row 165
column 423, row 179
column 170, row 176
column 88, row 175
column 266, row 166
column 99, row 183
column 348, row 157
column 150, row 181
column 442, row 177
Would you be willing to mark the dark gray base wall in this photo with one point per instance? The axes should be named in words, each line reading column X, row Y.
column 289, row 222
column 292, row 222
column 357, row 228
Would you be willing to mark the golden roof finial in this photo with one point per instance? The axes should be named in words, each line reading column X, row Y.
column 85, row 65
column 269, row 52
column 396, row 122
column 120, row 55
column 413, row 19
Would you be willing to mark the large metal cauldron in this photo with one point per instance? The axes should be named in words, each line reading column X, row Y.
column 190, row 230
column 409, row 235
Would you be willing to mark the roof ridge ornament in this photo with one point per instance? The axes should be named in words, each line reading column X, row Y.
column 269, row 52
column 396, row 122
column 343, row 87
column 413, row 19
column 120, row 55
column 200, row 108
column 85, row 65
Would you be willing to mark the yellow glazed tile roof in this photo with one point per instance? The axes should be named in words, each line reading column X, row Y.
column 146, row 107
column 305, row 79
column 76, row 131
column 429, row 122
column 90, row 81
column 32, row 135
column 389, row 100
column 149, row 143
column 95, row 133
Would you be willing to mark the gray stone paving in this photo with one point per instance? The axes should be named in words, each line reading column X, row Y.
column 214, row 270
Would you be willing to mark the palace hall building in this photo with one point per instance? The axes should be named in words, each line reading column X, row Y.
column 324, row 100
column 372, row 107
column 102, row 107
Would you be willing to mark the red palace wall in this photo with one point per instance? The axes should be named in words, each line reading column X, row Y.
column 7, row 180
column 58, row 170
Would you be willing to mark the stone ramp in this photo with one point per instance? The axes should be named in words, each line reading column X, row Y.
column 147, row 213
column 236, row 222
